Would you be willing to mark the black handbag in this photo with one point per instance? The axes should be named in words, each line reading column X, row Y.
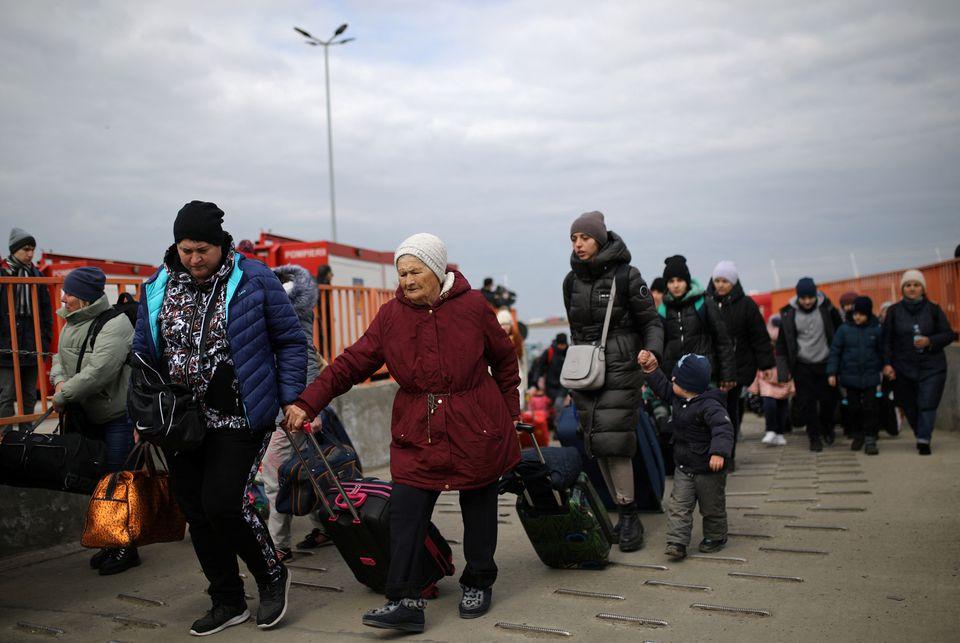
column 165, row 413
column 59, row 461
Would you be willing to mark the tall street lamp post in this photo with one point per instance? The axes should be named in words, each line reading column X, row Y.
column 335, row 39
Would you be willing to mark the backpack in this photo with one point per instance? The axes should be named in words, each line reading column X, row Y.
column 126, row 305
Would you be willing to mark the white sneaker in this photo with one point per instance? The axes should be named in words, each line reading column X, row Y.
column 779, row 440
column 769, row 437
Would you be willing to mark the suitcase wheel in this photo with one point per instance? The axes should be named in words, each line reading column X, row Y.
column 575, row 537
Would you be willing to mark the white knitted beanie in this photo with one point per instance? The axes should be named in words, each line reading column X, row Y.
column 913, row 275
column 727, row 270
column 427, row 248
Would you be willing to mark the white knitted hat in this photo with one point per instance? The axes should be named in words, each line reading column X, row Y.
column 504, row 317
column 427, row 248
column 726, row 270
column 913, row 275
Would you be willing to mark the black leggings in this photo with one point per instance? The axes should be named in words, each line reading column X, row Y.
column 210, row 485
column 410, row 511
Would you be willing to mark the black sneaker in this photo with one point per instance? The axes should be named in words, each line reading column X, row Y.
column 871, row 448
column 273, row 600
column 220, row 618
column 816, row 445
column 710, row 545
column 675, row 551
column 100, row 557
column 475, row 602
column 314, row 539
column 923, row 449
column 631, row 530
column 829, row 437
column 405, row 615
column 857, row 443
column 284, row 554
column 121, row 560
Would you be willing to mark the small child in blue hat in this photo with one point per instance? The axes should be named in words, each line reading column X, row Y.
column 703, row 441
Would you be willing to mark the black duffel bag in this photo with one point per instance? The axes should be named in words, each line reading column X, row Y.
column 59, row 461
column 163, row 413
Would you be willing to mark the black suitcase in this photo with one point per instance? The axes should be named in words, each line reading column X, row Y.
column 568, row 528
column 57, row 461
column 358, row 522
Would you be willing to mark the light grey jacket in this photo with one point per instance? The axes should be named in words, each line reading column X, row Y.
column 101, row 385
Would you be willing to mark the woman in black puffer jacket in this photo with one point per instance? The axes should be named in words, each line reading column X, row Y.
column 609, row 416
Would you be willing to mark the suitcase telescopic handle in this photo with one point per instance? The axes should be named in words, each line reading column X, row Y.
column 306, row 466
column 528, row 428
column 333, row 474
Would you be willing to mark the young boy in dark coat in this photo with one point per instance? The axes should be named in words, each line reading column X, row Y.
column 855, row 363
column 703, row 441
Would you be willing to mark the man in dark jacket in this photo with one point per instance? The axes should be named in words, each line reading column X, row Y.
column 807, row 326
column 20, row 264
column 748, row 332
column 252, row 362
column 545, row 373
column 703, row 442
column 856, row 359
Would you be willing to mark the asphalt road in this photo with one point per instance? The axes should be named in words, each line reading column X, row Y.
column 885, row 570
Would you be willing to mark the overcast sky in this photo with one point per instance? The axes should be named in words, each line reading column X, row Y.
column 749, row 130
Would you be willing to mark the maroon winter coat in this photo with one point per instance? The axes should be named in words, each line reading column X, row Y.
column 443, row 352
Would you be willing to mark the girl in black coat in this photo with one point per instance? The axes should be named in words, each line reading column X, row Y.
column 609, row 416
column 751, row 343
column 915, row 332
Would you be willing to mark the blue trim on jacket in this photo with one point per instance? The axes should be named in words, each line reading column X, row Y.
column 267, row 343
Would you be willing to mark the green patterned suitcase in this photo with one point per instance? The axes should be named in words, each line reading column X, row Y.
column 574, row 536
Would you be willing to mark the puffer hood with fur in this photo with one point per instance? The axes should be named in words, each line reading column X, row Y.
column 300, row 287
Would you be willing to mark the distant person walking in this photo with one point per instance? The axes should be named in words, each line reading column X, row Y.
column 545, row 373
column 775, row 393
column 807, row 327
column 609, row 416
column 751, row 342
column 856, row 359
column 97, row 385
column 915, row 333
column 20, row 264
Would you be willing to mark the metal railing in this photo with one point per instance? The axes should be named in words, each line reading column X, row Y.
column 54, row 286
column 343, row 314
column 943, row 288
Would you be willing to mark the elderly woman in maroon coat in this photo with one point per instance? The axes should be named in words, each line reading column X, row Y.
column 453, row 419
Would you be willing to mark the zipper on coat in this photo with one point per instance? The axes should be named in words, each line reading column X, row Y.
column 431, row 408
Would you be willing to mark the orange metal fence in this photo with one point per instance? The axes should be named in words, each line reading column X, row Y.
column 36, row 353
column 342, row 315
column 943, row 288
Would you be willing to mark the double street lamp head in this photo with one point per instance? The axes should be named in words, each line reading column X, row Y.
column 313, row 41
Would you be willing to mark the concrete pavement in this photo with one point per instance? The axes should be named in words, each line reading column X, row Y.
column 887, row 572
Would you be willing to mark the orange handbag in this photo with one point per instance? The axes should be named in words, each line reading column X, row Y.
column 134, row 508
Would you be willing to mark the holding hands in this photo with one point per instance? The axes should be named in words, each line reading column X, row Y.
column 647, row 361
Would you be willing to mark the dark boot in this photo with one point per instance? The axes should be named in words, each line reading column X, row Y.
column 121, row 560
column 101, row 557
column 857, row 443
column 631, row 529
column 871, row 447
column 405, row 615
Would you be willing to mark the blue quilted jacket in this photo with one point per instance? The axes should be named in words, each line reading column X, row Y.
column 267, row 344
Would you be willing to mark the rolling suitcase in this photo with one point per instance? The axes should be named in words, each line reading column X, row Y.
column 569, row 529
column 649, row 472
column 358, row 522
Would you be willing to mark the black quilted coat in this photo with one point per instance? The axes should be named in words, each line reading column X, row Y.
column 609, row 416
column 694, row 324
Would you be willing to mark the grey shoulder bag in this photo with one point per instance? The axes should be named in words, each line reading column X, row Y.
column 585, row 368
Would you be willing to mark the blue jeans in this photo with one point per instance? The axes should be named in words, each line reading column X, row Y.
column 920, row 399
column 118, row 434
column 776, row 413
